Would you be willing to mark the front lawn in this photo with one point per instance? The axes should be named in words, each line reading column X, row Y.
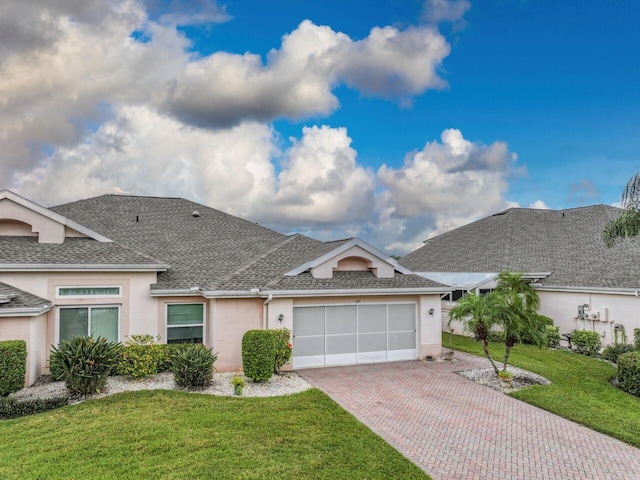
column 580, row 391
column 178, row 435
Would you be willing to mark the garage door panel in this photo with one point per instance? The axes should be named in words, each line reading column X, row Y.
column 308, row 346
column 402, row 317
column 341, row 319
column 402, row 340
column 309, row 321
column 372, row 318
column 372, row 342
column 337, row 344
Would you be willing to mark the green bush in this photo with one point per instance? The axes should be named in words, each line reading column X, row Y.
column 192, row 366
column 258, row 354
column 495, row 336
column 13, row 408
column 13, row 366
column 56, row 368
column 86, row 363
column 167, row 352
column 553, row 335
column 636, row 338
column 140, row 357
column 612, row 352
column 282, row 337
column 586, row 342
column 525, row 337
column 629, row 372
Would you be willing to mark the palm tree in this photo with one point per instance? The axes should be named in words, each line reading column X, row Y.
column 477, row 315
column 627, row 225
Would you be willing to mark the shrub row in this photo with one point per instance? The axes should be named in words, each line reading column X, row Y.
column 636, row 338
column 612, row 352
column 13, row 366
column 629, row 372
column 553, row 335
column 13, row 408
column 265, row 352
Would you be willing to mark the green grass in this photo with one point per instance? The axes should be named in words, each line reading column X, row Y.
column 580, row 391
column 178, row 435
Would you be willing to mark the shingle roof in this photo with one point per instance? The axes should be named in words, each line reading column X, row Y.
column 565, row 242
column 201, row 250
column 73, row 251
column 214, row 251
column 352, row 281
column 19, row 298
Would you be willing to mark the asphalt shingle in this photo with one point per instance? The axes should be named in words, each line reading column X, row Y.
column 19, row 298
column 566, row 243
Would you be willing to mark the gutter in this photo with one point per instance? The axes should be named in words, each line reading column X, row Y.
column 265, row 311
column 25, row 311
column 65, row 267
column 634, row 292
column 298, row 293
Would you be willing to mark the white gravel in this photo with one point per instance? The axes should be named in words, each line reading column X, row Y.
column 285, row 384
column 521, row 378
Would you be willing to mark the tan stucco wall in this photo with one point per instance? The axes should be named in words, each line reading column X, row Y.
column 232, row 318
column 562, row 307
column 138, row 310
column 14, row 228
column 32, row 331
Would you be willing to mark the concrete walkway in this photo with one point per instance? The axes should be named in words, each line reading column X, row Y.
column 455, row 428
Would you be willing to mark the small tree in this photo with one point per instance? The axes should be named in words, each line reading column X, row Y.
column 627, row 225
column 477, row 315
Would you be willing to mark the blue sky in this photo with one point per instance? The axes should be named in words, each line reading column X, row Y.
column 540, row 99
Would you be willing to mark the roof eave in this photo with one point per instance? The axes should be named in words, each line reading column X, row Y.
column 25, row 311
column 575, row 289
column 65, row 267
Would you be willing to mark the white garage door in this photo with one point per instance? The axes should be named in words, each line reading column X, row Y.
column 348, row 334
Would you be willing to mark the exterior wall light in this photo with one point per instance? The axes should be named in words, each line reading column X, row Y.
column 431, row 311
column 281, row 317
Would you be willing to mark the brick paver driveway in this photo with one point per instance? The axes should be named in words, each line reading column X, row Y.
column 455, row 428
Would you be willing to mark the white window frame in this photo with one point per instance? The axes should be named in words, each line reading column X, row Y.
column 89, row 307
column 118, row 295
column 203, row 324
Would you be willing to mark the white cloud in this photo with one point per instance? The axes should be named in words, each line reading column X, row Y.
column 436, row 11
column 539, row 204
column 443, row 186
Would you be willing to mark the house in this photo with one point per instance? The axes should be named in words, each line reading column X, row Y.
column 118, row 265
column 582, row 284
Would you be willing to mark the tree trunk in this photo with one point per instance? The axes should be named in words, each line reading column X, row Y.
column 485, row 346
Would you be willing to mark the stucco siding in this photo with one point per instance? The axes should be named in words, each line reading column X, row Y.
column 32, row 331
column 232, row 319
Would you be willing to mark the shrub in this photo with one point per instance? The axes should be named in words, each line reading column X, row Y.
column 612, row 352
column 13, row 366
column 629, row 372
column 282, row 346
column 86, row 363
column 192, row 366
column 586, row 342
column 553, row 335
column 636, row 338
column 258, row 354
column 525, row 337
column 56, row 368
column 167, row 351
column 140, row 357
column 13, row 408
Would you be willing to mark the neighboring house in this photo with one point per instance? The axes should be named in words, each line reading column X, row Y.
column 582, row 284
column 118, row 265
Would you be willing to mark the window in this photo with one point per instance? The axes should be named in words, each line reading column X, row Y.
column 76, row 292
column 85, row 321
column 185, row 323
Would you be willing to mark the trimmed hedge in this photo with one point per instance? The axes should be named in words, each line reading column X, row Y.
column 586, row 342
column 13, row 366
column 612, row 352
column 258, row 354
column 13, row 408
column 629, row 372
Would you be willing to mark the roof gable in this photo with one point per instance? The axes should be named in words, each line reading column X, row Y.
column 47, row 225
column 323, row 266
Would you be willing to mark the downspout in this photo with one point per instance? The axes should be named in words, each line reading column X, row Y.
column 265, row 310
